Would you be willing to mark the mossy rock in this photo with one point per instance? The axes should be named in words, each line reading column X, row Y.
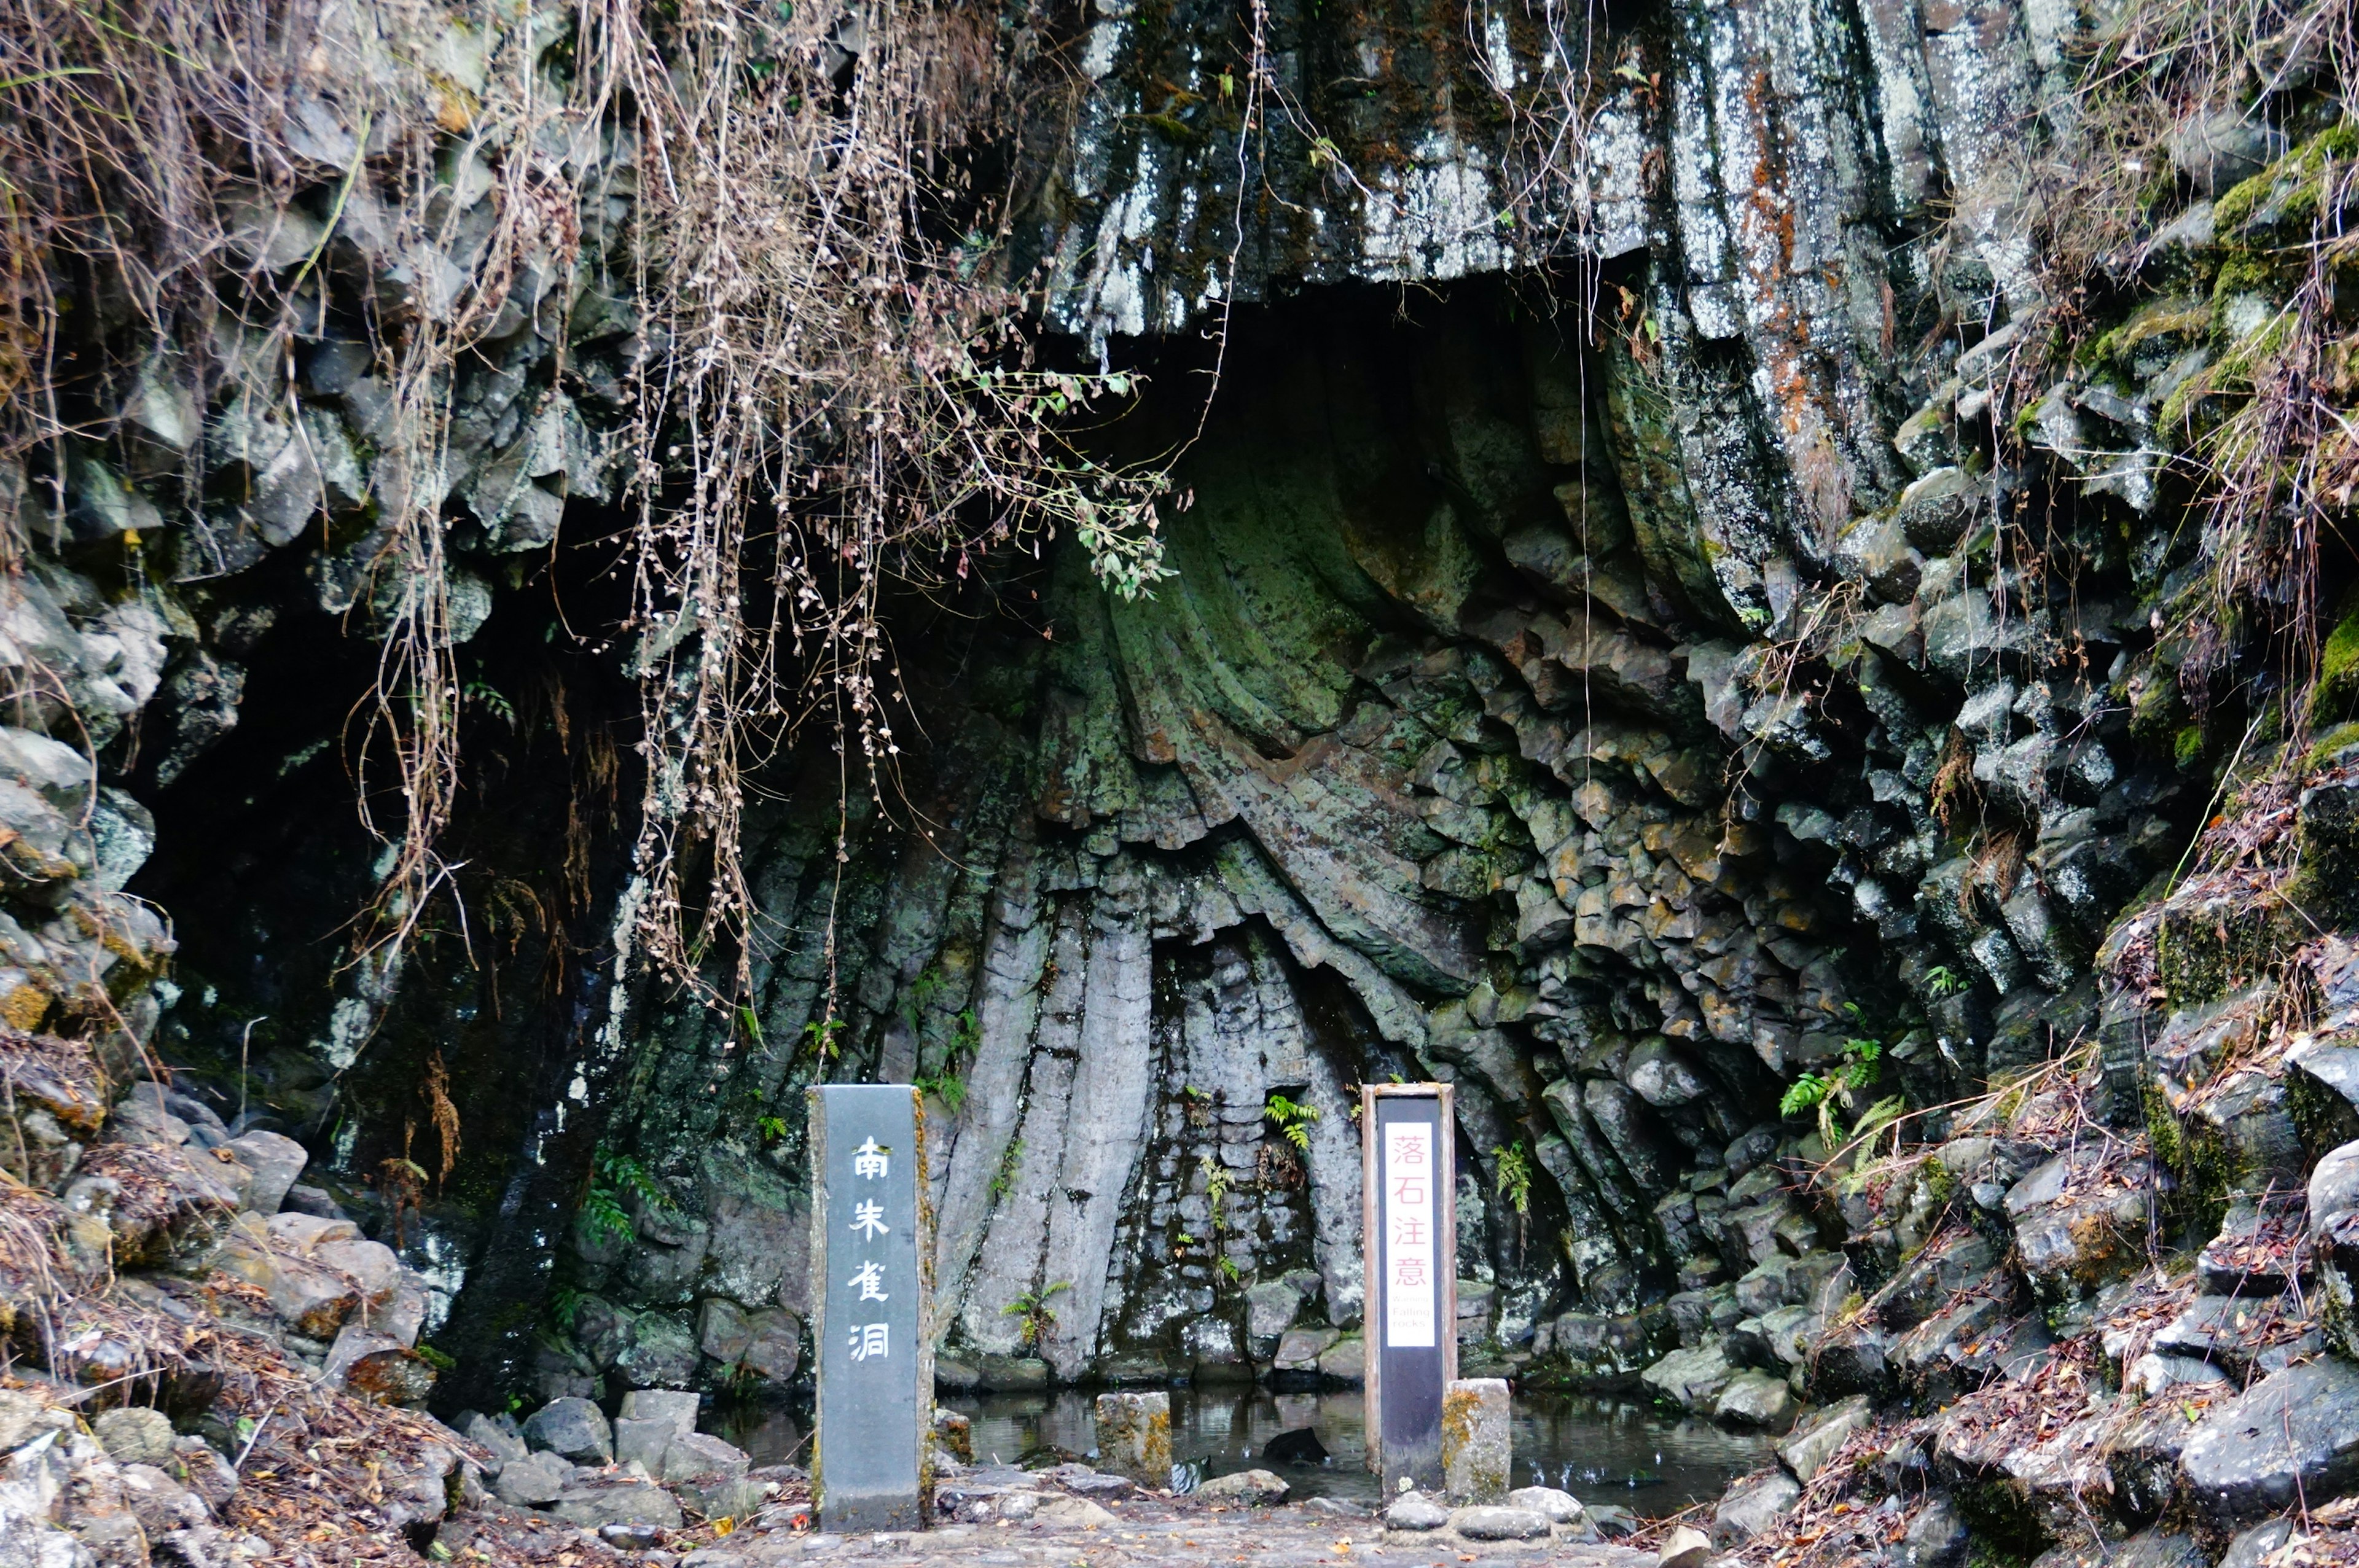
column 2285, row 199
column 2007, row 1529
column 2323, row 749
column 2325, row 1119
column 2206, row 949
column 2156, row 333
column 2197, row 1158
column 2336, row 696
column 2326, row 890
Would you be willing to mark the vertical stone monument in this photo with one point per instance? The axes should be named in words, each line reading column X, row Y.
column 1408, row 1183
column 1477, row 1443
column 1135, row 1437
column 872, row 1248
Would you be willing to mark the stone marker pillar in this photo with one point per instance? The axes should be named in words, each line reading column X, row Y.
column 1476, row 1445
column 872, row 1249
column 1409, row 1182
column 1135, row 1438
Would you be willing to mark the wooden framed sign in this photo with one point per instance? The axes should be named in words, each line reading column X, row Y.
column 872, row 1334
column 1409, row 1185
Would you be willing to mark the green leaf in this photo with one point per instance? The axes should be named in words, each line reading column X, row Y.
column 1805, row 1092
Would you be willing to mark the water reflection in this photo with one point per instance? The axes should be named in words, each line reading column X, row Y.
column 1600, row 1449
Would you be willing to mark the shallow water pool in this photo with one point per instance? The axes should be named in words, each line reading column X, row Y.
column 1599, row 1448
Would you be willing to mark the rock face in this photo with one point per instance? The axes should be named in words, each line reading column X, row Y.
column 1618, row 715
column 2293, row 1433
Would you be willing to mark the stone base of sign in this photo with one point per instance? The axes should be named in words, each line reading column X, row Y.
column 1475, row 1446
column 1135, row 1437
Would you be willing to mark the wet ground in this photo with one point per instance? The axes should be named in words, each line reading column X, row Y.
column 1601, row 1449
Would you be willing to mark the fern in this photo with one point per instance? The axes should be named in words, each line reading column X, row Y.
column 1515, row 1180
column 1803, row 1093
column 947, row 1087
column 613, row 1177
column 1005, row 1175
column 1292, row 1119
column 1033, row 1307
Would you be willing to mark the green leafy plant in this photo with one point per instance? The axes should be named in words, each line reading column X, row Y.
column 824, row 1038
column 1033, row 1307
column 946, row 1085
column 1216, row 1184
column 485, row 696
column 1004, row 1177
column 1861, row 1065
column 440, row 1360
column 1228, row 1269
column 614, row 1177
column 565, row 1306
column 1942, row 981
column 773, row 1129
column 1292, row 1119
column 920, row 994
column 1515, row 1178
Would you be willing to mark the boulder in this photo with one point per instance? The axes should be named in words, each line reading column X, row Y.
column 573, row 1429
column 1415, row 1511
column 1494, row 1523
column 2080, row 1222
column 1936, row 1538
column 2252, row 1548
column 2151, row 1550
column 1756, row 1400
column 275, row 1160
column 700, row 1457
column 954, row 1437
column 1685, row 1547
column 723, row 1331
column 2293, row 1435
column 1814, row 1440
column 204, row 1471
column 619, row 1502
column 377, row 1368
column 1253, row 1488
column 673, row 1405
column 1270, row 1310
column 1054, row 1512
column 642, row 1440
column 2259, row 1250
column 1753, row 1506
column 1692, row 1379
column 776, row 1347
column 2335, row 1239
column 133, row 1434
column 1346, row 1361
column 496, row 1434
column 1298, row 1349
column 370, row 1266
column 1556, row 1507
column 160, row 1503
column 533, row 1481
column 661, row 1354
